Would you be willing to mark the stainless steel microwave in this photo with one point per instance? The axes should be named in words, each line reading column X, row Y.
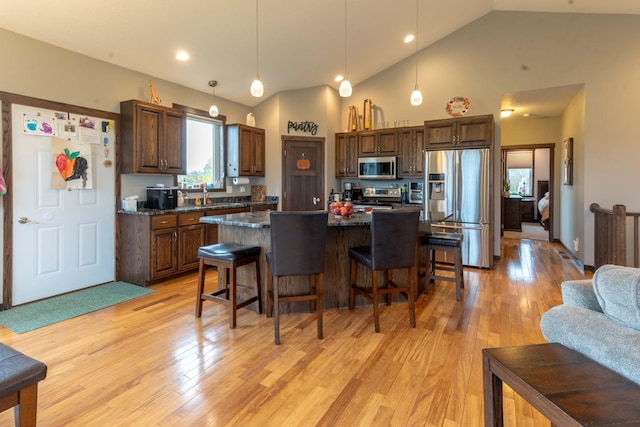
column 377, row 167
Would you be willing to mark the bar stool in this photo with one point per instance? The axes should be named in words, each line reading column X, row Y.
column 227, row 257
column 394, row 236
column 447, row 242
column 298, row 241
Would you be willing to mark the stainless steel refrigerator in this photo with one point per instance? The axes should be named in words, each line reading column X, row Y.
column 456, row 200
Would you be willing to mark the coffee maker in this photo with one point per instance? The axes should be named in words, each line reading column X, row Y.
column 348, row 192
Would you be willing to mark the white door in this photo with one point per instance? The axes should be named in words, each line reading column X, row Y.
column 63, row 240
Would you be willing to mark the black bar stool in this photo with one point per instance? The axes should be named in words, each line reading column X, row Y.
column 227, row 257
column 394, row 237
column 447, row 242
column 298, row 241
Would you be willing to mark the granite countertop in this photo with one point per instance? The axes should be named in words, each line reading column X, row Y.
column 261, row 220
column 195, row 208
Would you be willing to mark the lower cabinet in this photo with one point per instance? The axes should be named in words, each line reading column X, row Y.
column 154, row 247
column 511, row 214
column 164, row 247
column 190, row 238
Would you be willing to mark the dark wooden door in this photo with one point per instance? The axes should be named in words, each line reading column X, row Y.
column 303, row 173
column 148, row 137
column 175, row 148
column 164, row 248
column 190, row 239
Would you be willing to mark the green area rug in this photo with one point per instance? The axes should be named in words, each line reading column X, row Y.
column 27, row 317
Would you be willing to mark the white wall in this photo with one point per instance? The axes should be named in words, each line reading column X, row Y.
column 573, row 209
column 318, row 105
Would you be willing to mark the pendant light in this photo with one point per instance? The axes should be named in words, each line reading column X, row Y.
column 416, row 95
column 257, row 89
column 213, row 110
column 345, row 86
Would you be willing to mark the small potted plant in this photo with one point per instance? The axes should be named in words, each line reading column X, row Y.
column 507, row 188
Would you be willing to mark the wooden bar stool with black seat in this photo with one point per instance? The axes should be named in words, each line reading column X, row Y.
column 298, row 241
column 447, row 242
column 394, row 237
column 227, row 257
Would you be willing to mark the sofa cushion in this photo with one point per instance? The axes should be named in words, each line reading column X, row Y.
column 596, row 336
column 617, row 289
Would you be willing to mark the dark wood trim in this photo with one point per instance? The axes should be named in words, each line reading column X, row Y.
column 7, row 203
column 8, row 99
column 552, row 148
column 199, row 112
column 205, row 114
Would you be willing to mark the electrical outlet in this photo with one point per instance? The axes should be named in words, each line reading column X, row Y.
column 576, row 244
column 242, row 189
column 229, row 189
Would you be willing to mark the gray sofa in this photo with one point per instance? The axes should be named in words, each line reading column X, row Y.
column 600, row 318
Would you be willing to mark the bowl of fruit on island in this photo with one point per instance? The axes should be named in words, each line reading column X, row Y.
column 342, row 210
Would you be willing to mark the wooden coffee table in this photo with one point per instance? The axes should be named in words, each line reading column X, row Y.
column 565, row 386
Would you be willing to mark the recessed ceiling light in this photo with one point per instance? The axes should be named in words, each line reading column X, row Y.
column 182, row 55
column 409, row 38
column 339, row 78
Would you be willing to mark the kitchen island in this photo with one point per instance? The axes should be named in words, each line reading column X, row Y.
column 253, row 228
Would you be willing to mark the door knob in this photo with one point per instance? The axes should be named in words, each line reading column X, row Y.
column 24, row 220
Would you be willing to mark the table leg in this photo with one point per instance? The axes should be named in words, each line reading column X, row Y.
column 493, row 415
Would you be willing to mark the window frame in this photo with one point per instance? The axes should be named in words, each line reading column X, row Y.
column 197, row 113
column 532, row 168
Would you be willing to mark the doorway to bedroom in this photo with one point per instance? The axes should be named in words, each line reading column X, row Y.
column 527, row 174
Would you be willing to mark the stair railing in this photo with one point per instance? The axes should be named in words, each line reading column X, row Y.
column 610, row 235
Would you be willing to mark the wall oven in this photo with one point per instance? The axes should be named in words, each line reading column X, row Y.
column 377, row 167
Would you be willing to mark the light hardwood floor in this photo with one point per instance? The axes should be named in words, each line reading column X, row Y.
column 150, row 362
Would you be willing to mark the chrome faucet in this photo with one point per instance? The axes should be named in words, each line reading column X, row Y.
column 204, row 195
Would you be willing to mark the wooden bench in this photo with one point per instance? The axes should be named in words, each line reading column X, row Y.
column 19, row 377
column 565, row 386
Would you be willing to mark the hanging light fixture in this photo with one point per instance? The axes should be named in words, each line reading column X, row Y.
column 345, row 86
column 257, row 89
column 213, row 110
column 416, row 95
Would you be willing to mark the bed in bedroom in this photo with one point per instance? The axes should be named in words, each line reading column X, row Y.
column 543, row 203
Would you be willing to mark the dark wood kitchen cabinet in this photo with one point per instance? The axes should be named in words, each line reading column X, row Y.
column 163, row 255
column 464, row 132
column 511, row 213
column 411, row 158
column 152, row 247
column 245, row 150
column 190, row 238
column 154, row 139
column 375, row 143
column 527, row 208
column 346, row 155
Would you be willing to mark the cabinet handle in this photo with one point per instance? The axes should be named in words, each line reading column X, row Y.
column 164, row 222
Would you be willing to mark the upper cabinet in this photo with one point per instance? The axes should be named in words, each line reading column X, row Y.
column 411, row 158
column 475, row 131
column 346, row 155
column 153, row 138
column 373, row 143
column 245, row 150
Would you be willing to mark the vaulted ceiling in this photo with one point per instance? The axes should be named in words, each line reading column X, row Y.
column 299, row 43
